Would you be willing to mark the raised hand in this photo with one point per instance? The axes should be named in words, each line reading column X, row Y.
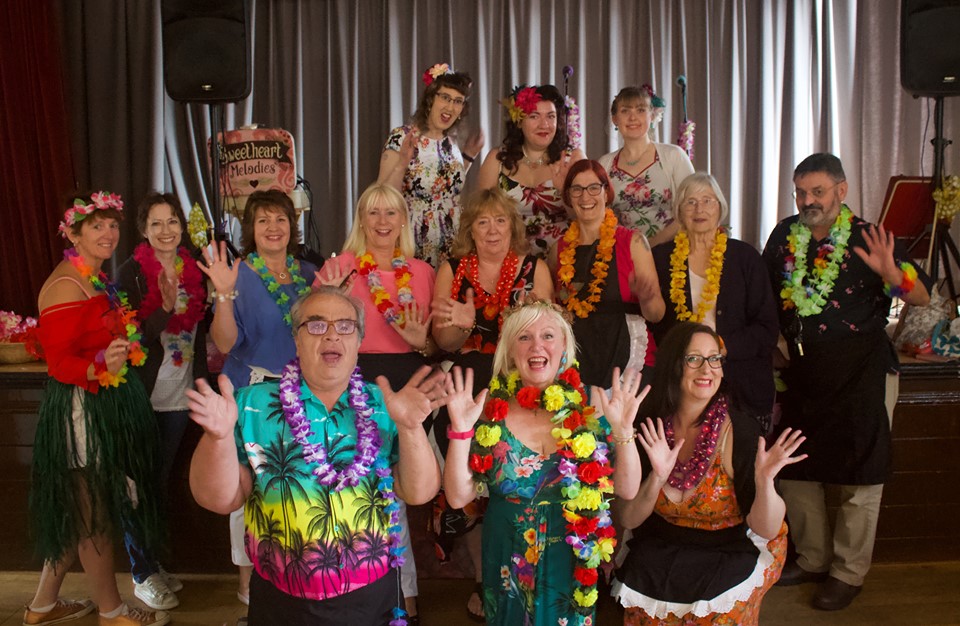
column 662, row 457
column 408, row 148
column 215, row 412
column 474, row 143
column 168, row 290
column 625, row 398
column 463, row 407
column 448, row 312
column 879, row 253
column 220, row 273
column 333, row 276
column 771, row 460
column 416, row 324
column 424, row 392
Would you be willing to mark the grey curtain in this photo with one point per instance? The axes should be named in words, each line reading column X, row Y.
column 770, row 81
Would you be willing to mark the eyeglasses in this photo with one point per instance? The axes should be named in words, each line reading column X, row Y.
column 816, row 193
column 694, row 361
column 320, row 327
column 594, row 190
column 706, row 202
column 446, row 99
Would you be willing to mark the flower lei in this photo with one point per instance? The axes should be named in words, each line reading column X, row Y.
column 434, row 72
column 521, row 102
column 197, row 226
column 80, row 210
column 191, row 299
column 127, row 321
column 686, row 475
column 810, row 298
column 601, row 265
column 678, row 276
column 585, row 468
column 365, row 458
column 273, row 287
column 492, row 305
column 381, row 299
column 947, row 198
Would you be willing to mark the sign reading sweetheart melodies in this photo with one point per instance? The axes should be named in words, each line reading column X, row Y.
column 255, row 159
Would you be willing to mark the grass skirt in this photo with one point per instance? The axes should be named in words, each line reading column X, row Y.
column 105, row 445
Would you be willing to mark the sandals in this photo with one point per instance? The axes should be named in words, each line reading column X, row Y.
column 477, row 617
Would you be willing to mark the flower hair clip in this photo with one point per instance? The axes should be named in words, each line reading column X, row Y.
column 435, row 72
column 534, row 301
column 655, row 100
column 522, row 102
column 80, row 210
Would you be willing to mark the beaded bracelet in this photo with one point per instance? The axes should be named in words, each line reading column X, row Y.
column 223, row 297
column 907, row 283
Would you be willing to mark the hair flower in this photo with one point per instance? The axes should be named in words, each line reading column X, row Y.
column 522, row 102
column 435, row 72
column 81, row 209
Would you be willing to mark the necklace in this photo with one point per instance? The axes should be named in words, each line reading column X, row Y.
column 491, row 304
column 687, row 475
column 381, row 299
column 190, row 305
column 601, row 266
column 273, row 287
column 366, row 456
column 530, row 162
column 678, row 276
column 123, row 322
column 639, row 158
column 280, row 275
column 808, row 294
column 585, row 469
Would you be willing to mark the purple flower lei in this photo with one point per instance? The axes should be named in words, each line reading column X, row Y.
column 686, row 475
column 365, row 458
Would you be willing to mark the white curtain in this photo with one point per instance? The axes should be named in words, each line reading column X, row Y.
column 770, row 81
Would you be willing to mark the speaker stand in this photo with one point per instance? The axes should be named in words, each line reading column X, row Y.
column 216, row 167
column 942, row 247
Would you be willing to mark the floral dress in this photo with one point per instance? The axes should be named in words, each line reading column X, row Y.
column 542, row 210
column 677, row 575
column 527, row 564
column 431, row 187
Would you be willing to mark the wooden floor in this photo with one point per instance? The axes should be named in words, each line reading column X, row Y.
column 916, row 594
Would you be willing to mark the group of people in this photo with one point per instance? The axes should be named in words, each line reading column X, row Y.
column 607, row 377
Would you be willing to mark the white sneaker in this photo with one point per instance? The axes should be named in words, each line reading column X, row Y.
column 173, row 583
column 155, row 593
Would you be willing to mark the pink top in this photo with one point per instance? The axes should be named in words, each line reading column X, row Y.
column 379, row 337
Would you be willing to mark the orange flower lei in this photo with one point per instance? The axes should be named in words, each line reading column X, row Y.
column 601, row 265
column 381, row 299
column 678, row 276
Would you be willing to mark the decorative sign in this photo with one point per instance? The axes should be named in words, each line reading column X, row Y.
column 255, row 159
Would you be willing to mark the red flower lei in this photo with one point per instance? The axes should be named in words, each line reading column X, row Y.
column 190, row 278
column 492, row 305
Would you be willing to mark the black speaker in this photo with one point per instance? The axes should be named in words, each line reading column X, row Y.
column 205, row 51
column 930, row 47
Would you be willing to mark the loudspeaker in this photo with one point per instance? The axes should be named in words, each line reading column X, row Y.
column 930, row 47
column 205, row 51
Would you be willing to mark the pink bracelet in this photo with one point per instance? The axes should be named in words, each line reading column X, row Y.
column 453, row 434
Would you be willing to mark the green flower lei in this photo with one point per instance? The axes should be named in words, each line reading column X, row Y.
column 810, row 298
column 273, row 287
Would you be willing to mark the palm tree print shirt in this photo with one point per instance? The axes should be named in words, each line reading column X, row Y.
column 307, row 539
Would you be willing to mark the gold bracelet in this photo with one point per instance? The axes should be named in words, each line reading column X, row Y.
column 222, row 297
column 622, row 441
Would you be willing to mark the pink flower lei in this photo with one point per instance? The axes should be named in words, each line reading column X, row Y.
column 365, row 458
column 686, row 475
column 81, row 209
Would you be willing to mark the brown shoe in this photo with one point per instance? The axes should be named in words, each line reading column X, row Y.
column 793, row 574
column 136, row 617
column 834, row 594
column 63, row 611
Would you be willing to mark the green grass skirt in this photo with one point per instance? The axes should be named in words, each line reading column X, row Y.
column 121, row 440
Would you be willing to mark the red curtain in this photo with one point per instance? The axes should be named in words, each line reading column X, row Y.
column 36, row 167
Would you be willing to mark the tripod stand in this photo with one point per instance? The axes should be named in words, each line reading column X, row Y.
column 942, row 247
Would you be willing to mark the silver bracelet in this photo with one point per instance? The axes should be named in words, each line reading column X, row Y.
column 223, row 297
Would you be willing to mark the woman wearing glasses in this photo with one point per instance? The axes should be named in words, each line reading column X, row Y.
column 604, row 275
column 710, row 538
column 423, row 161
column 718, row 281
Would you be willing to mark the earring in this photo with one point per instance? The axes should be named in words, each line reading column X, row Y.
column 616, row 128
column 563, row 360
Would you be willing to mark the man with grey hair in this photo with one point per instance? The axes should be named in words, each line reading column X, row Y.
column 318, row 460
column 834, row 275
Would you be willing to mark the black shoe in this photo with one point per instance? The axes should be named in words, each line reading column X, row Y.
column 793, row 574
column 834, row 594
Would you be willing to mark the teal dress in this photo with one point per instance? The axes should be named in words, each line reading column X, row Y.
column 527, row 564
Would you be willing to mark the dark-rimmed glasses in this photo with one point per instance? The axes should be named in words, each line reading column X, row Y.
column 694, row 361
column 594, row 190
column 320, row 327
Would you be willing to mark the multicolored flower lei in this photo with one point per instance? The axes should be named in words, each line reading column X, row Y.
column 494, row 304
column 434, row 72
column 521, row 102
column 126, row 322
column 574, row 134
column 366, row 456
column 381, row 299
column 81, row 209
column 585, row 467
column 191, row 298
column 601, row 266
column 810, row 298
column 273, row 287
column 678, row 276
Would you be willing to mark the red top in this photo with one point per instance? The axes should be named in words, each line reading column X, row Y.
column 73, row 333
